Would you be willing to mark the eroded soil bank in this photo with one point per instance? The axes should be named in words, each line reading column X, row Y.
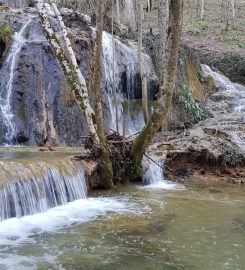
column 213, row 149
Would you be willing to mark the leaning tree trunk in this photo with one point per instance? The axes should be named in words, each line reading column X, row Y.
column 70, row 67
column 159, row 116
column 105, row 167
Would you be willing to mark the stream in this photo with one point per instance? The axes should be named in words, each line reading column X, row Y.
column 48, row 218
column 157, row 226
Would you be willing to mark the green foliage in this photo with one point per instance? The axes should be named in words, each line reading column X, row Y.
column 198, row 28
column 193, row 109
column 233, row 157
column 241, row 44
column 5, row 31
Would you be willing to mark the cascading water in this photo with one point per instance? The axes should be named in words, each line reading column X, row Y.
column 34, row 187
column 154, row 177
column 234, row 96
column 10, row 129
column 224, row 84
column 122, row 85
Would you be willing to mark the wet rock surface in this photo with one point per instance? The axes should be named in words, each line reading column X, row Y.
column 43, row 108
column 214, row 149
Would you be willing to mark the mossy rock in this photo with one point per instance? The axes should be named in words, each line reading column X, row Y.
column 5, row 40
column 189, row 92
column 5, row 31
column 193, row 110
column 209, row 84
column 233, row 157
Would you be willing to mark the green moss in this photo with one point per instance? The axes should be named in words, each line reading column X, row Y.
column 210, row 81
column 194, row 110
column 171, row 147
column 5, row 31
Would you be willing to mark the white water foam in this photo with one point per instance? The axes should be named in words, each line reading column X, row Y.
column 154, row 178
column 18, row 230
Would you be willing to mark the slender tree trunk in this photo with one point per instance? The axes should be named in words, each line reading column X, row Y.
column 222, row 11
column 233, row 13
column 163, row 15
column 106, row 173
column 117, row 11
column 159, row 116
column 113, row 68
column 145, row 99
column 202, row 9
column 143, row 80
column 197, row 8
column 70, row 67
column 148, row 5
column 227, row 21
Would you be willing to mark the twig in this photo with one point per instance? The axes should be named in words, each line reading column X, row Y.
column 133, row 135
column 164, row 169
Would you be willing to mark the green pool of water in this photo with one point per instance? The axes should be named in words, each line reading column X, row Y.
column 198, row 228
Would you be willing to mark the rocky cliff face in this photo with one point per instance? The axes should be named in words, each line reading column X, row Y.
column 43, row 109
column 190, row 90
column 40, row 107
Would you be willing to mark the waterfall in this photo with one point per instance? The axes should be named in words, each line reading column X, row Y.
column 224, row 84
column 31, row 187
column 154, row 176
column 123, row 86
column 234, row 94
column 7, row 81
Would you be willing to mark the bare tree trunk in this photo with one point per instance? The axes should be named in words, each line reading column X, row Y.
column 148, row 6
column 145, row 99
column 140, row 63
column 113, row 68
column 202, row 9
column 117, row 11
column 227, row 21
column 233, row 13
column 163, row 14
column 70, row 67
column 197, row 8
column 222, row 10
column 105, row 168
column 159, row 116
